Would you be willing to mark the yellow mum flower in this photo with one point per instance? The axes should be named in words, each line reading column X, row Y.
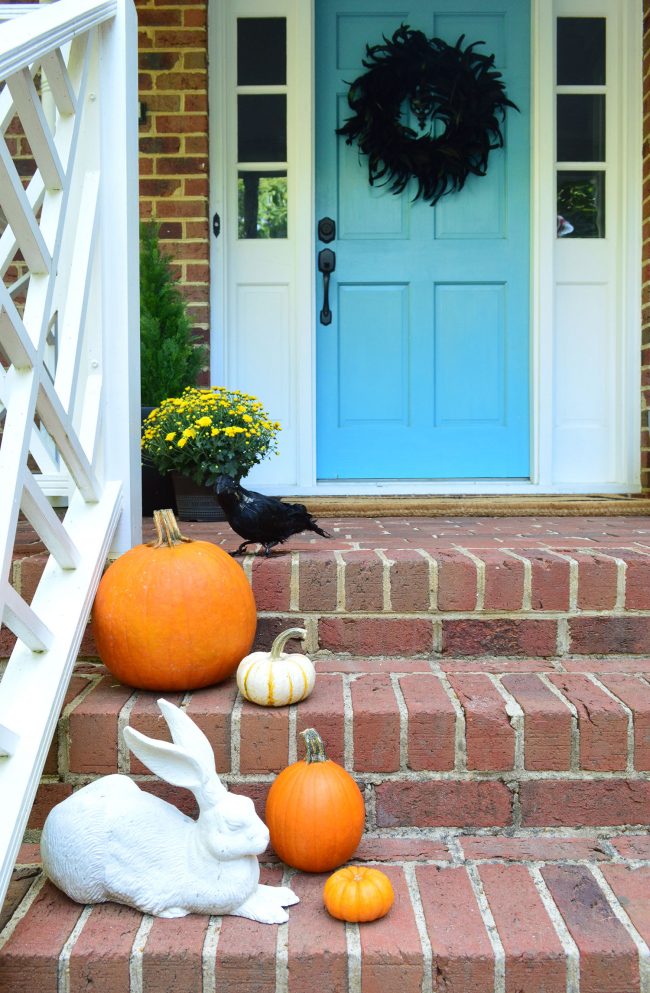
column 170, row 436
column 182, row 442
column 204, row 422
column 247, row 419
column 189, row 433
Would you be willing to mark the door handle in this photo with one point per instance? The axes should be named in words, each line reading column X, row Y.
column 326, row 265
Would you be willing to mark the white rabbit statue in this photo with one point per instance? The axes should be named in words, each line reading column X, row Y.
column 113, row 841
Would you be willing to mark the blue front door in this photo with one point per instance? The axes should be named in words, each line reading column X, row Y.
column 423, row 372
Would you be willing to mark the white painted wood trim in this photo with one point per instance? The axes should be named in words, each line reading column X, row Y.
column 543, row 247
column 26, row 39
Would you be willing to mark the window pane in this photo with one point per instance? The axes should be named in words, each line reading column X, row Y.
column 261, row 51
column 262, row 198
column 262, row 128
column 580, row 50
column 581, row 204
column 581, row 128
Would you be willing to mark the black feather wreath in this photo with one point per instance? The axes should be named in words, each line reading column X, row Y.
column 457, row 97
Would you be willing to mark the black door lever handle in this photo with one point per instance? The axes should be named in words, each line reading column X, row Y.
column 326, row 265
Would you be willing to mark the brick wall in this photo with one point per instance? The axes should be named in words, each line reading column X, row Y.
column 173, row 84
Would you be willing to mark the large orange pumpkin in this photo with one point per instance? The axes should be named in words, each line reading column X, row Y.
column 175, row 614
column 314, row 811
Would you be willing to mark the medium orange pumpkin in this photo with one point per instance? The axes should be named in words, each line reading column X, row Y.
column 175, row 614
column 314, row 811
column 358, row 893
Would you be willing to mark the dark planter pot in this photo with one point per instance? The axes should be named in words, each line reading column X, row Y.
column 194, row 502
column 157, row 490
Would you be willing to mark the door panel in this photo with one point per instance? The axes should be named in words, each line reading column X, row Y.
column 423, row 372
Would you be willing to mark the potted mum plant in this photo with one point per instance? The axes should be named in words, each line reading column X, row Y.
column 171, row 357
column 199, row 435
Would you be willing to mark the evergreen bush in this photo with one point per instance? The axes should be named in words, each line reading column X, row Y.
column 170, row 355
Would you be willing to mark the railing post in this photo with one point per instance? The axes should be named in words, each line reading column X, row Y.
column 120, row 268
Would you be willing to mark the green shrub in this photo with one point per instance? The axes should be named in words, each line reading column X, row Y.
column 170, row 355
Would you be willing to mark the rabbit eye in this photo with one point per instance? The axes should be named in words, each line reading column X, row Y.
column 233, row 825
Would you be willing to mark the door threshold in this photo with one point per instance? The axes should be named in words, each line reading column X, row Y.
column 589, row 505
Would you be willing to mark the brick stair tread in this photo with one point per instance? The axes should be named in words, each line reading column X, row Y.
column 540, row 912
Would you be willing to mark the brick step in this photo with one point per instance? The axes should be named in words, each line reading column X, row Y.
column 432, row 743
column 541, row 913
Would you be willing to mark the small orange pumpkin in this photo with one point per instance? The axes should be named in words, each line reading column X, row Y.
column 358, row 893
column 314, row 811
column 175, row 614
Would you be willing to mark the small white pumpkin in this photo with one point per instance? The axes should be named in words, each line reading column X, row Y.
column 274, row 679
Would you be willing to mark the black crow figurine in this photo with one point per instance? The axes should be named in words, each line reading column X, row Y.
column 262, row 519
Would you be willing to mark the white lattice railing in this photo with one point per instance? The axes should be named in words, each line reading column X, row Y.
column 69, row 350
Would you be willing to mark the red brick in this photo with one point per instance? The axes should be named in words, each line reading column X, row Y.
column 409, row 581
column 490, row 737
column 443, row 803
column 549, row 583
column 30, row 956
column 172, row 961
column 611, row 664
column 534, row 957
column 543, row 849
column 547, row 723
column 431, row 723
column 597, row 581
column 211, row 710
column 504, row 580
column 608, row 956
column 48, row 795
column 463, row 960
column 386, row 849
column 602, row 723
column 633, row 846
column 100, row 955
column 477, row 636
column 323, row 710
column 355, row 666
column 375, row 724
column 637, row 580
column 609, row 635
column 93, row 728
column 147, row 718
column 30, row 571
column 631, row 886
column 76, row 686
column 492, row 664
column 376, row 636
column 272, row 582
column 635, row 693
column 364, row 581
column 391, row 950
column 264, row 738
column 457, row 581
column 317, row 943
column 584, row 803
column 246, row 950
column 268, row 628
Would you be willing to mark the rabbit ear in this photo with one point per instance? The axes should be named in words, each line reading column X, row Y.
column 171, row 763
column 188, row 736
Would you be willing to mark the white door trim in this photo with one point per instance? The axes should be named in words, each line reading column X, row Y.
column 296, row 471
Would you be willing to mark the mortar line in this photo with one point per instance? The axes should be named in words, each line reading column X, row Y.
column 22, row 909
column 491, row 928
column 433, row 579
column 620, row 914
column 353, row 944
column 421, row 924
column 340, row 581
column 516, row 718
column 292, row 751
column 385, row 579
column 348, row 730
column 123, row 753
column 480, row 577
column 63, row 749
column 63, row 964
column 282, row 946
column 235, row 735
column 209, row 955
column 403, row 722
column 294, row 582
column 527, row 590
column 460, row 736
column 568, row 944
column 137, row 952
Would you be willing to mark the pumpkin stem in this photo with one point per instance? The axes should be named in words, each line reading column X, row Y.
column 282, row 639
column 314, row 745
column 167, row 532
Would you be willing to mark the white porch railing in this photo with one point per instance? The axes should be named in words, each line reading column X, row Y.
column 69, row 350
